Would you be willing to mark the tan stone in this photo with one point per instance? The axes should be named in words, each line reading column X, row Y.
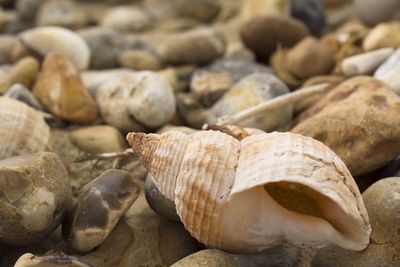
column 60, row 89
column 23, row 72
column 98, row 139
column 359, row 121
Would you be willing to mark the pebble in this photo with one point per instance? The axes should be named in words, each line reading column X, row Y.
column 136, row 101
column 262, row 34
column 158, row 202
column 98, row 139
column 63, row 13
column 199, row 46
column 201, row 10
column 139, row 60
column 60, row 89
column 372, row 12
column 7, row 43
column 104, row 45
column 21, row 93
column 253, row 8
column 389, row 71
column 311, row 12
column 52, row 259
column 60, row 40
column 126, row 19
column 383, row 35
column 358, row 121
column 209, row 83
column 383, row 206
column 309, row 58
column 100, row 206
column 36, row 196
column 251, row 91
column 27, row 8
column 24, row 72
column 209, row 258
column 365, row 63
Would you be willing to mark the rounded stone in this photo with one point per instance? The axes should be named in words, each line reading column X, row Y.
column 382, row 203
column 63, row 13
column 158, row 202
column 311, row 12
column 35, row 197
column 105, row 45
column 373, row 12
column 209, row 258
column 199, row 46
column 98, row 139
column 27, row 8
column 126, row 19
column 262, row 34
column 139, row 60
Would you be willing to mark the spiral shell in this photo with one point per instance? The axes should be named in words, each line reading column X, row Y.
column 249, row 195
column 23, row 129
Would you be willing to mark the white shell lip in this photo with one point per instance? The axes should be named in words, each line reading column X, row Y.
column 61, row 40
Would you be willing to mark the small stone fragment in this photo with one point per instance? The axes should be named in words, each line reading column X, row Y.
column 389, row 72
column 98, row 139
column 60, row 89
column 263, row 34
column 382, row 203
column 126, row 19
column 101, row 204
column 52, row 259
column 366, row 63
column 35, row 197
column 199, row 46
column 21, row 93
column 136, row 101
column 358, row 120
column 23, row 72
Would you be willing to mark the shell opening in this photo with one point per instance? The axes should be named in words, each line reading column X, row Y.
column 304, row 200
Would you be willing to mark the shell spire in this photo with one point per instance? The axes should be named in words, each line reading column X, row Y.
column 143, row 145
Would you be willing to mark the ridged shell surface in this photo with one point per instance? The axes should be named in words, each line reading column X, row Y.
column 23, row 129
column 249, row 195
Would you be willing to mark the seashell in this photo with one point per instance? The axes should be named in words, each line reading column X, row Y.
column 24, row 72
column 137, row 100
column 42, row 40
column 309, row 58
column 249, row 195
column 126, row 19
column 53, row 259
column 373, row 12
column 383, row 35
column 366, row 63
column 251, row 91
column 23, row 129
column 198, row 46
column 389, row 71
column 263, row 34
column 101, row 204
column 35, row 197
column 253, row 8
column 21, row 93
